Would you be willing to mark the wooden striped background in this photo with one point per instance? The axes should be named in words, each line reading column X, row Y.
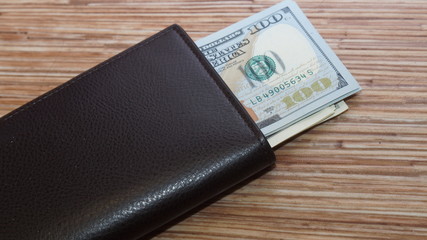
column 362, row 175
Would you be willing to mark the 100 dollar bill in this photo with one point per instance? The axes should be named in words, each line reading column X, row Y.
column 278, row 66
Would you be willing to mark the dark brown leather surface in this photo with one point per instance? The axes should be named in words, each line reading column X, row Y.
column 125, row 147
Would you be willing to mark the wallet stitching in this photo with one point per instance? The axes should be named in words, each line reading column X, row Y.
column 213, row 76
column 90, row 71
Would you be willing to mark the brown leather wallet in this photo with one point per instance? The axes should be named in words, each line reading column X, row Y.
column 125, row 147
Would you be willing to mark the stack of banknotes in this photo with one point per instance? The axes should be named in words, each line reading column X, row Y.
column 281, row 70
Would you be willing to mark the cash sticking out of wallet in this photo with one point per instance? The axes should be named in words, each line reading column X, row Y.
column 281, row 70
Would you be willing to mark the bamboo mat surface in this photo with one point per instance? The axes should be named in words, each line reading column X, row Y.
column 362, row 175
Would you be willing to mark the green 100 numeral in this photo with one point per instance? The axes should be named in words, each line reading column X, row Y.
column 306, row 92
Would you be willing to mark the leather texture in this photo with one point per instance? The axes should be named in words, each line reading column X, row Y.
column 125, row 147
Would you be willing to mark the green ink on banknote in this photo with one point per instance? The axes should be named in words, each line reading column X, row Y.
column 260, row 68
column 280, row 69
column 306, row 92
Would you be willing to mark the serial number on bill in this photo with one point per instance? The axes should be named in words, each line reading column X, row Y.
column 280, row 88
